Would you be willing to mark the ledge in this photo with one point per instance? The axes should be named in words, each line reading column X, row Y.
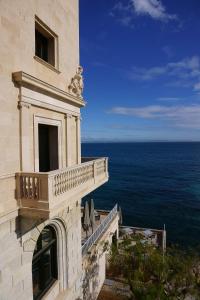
column 46, row 64
column 8, row 215
column 27, row 80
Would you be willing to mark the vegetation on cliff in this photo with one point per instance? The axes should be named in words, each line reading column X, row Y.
column 154, row 275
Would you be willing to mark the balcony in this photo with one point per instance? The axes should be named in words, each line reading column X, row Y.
column 41, row 195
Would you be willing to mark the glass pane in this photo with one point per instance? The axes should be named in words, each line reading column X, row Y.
column 38, row 245
column 41, row 47
column 46, row 236
column 36, row 280
column 46, row 267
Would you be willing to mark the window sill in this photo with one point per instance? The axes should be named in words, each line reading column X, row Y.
column 46, row 64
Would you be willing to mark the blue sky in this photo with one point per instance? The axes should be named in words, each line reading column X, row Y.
column 141, row 61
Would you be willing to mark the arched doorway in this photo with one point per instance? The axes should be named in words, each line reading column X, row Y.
column 44, row 264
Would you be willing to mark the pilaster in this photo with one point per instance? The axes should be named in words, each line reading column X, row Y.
column 25, row 142
column 78, row 139
column 68, row 139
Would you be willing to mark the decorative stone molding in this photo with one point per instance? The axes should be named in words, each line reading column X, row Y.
column 68, row 116
column 22, row 104
column 60, row 228
column 78, row 118
column 29, row 244
column 23, row 79
column 76, row 86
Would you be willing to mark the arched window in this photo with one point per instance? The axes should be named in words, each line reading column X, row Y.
column 44, row 265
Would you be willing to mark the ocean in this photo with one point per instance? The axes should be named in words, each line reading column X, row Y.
column 155, row 184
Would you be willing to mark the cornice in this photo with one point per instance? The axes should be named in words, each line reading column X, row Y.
column 27, row 80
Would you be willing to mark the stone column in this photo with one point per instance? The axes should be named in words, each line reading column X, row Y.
column 25, row 137
column 78, row 139
column 68, row 139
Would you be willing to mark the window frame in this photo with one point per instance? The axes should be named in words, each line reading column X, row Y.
column 46, row 32
column 40, row 119
column 39, row 255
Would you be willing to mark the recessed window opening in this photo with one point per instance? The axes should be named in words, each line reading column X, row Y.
column 48, row 147
column 44, row 264
column 45, row 43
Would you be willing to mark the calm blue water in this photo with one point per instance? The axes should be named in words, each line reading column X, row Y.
column 154, row 183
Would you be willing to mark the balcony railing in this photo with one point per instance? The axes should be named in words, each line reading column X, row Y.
column 46, row 187
column 100, row 230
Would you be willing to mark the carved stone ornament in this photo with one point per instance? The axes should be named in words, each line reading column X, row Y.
column 22, row 104
column 76, row 86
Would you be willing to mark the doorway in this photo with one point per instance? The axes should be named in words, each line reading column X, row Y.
column 48, row 147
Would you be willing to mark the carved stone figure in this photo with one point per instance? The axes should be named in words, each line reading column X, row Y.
column 76, row 86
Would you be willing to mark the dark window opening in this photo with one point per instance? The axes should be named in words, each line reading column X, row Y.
column 44, row 44
column 41, row 45
column 44, row 265
column 48, row 148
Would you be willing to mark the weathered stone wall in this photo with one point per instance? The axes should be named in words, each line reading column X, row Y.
column 17, row 51
column 17, row 252
column 17, row 27
column 18, row 235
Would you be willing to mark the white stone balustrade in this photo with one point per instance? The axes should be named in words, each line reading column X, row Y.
column 41, row 192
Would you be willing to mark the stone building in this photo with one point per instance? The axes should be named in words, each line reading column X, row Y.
column 42, row 175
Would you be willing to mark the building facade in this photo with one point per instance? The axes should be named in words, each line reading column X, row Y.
column 42, row 175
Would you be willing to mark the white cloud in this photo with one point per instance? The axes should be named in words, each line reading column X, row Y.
column 178, row 116
column 153, row 8
column 145, row 74
column 168, row 99
column 125, row 11
column 191, row 63
column 186, row 68
column 197, row 87
column 185, row 73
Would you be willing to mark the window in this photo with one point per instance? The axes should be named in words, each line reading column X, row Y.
column 45, row 43
column 41, row 46
column 44, row 265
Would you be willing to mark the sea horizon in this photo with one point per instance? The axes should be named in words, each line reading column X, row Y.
column 130, row 142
